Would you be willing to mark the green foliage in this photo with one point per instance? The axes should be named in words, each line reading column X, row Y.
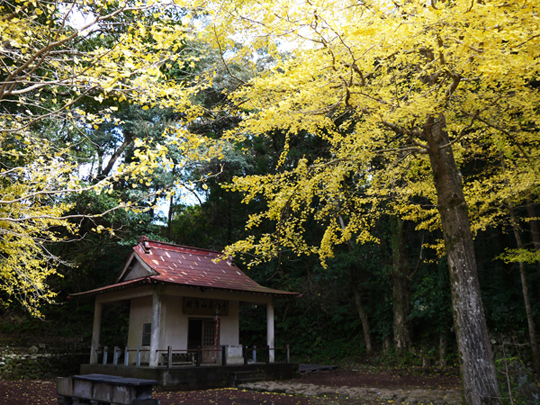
column 115, row 324
column 18, row 366
column 520, row 255
column 431, row 301
column 98, row 106
column 323, row 325
column 516, row 383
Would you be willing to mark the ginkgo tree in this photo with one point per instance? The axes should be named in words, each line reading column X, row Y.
column 54, row 58
column 413, row 97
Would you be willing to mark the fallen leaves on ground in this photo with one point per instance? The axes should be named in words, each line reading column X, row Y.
column 228, row 396
column 44, row 393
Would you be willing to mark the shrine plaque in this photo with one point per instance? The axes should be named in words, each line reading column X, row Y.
column 204, row 306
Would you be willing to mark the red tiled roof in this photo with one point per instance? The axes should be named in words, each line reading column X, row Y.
column 187, row 266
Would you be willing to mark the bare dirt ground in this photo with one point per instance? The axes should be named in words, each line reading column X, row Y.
column 44, row 392
column 382, row 379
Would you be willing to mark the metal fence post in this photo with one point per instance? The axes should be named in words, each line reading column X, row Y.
column 105, row 353
column 287, row 354
column 126, row 356
column 199, row 356
column 169, row 356
column 139, row 356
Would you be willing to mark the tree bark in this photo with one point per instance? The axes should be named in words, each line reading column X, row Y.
column 170, row 217
column 443, row 349
column 478, row 374
column 400, row 286
column 363, row 318
column 170, row 213
column 526, row 299
column 535, row 233
column 358, row 298
column 128, row 139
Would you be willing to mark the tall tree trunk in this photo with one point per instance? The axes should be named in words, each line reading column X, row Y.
column 400, row 286
column 128, row 138
column 358, row 298
column 526, row 299
column 478, row 374
column 170, row 213
column 535, row 233
column 443, row 348
column 363, row 317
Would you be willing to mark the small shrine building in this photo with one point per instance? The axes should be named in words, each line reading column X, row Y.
column 185, row 298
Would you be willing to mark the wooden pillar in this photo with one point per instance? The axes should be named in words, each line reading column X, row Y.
column 155, row 329
column 96, row 331
column 270, row 329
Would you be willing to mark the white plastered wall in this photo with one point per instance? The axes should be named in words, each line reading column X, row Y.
column 140, row 312
column 173, row 323
column 230, row 325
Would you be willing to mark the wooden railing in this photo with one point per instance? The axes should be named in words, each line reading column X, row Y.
column 170, row 357
column 191, row 356
column 117, row 352
column 267, row 350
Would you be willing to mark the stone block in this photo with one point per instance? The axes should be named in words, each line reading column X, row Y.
column 234, row 354
column 64, row 386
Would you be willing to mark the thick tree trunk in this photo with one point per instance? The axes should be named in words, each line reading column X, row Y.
column 400, row 287
column 526, row 299
column 478, row 374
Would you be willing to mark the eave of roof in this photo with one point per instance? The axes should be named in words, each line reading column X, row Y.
column 187, row 267
column 153, row 280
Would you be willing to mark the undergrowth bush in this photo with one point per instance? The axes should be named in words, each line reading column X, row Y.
column 516, row 383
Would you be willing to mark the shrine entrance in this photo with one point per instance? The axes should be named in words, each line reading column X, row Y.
column 204, row 333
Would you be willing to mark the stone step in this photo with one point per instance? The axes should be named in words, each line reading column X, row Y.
column 313, row 368
column 243, row 377
column 397, row 395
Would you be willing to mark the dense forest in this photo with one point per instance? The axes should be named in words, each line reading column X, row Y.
column 385, row 298
column 391, row 177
